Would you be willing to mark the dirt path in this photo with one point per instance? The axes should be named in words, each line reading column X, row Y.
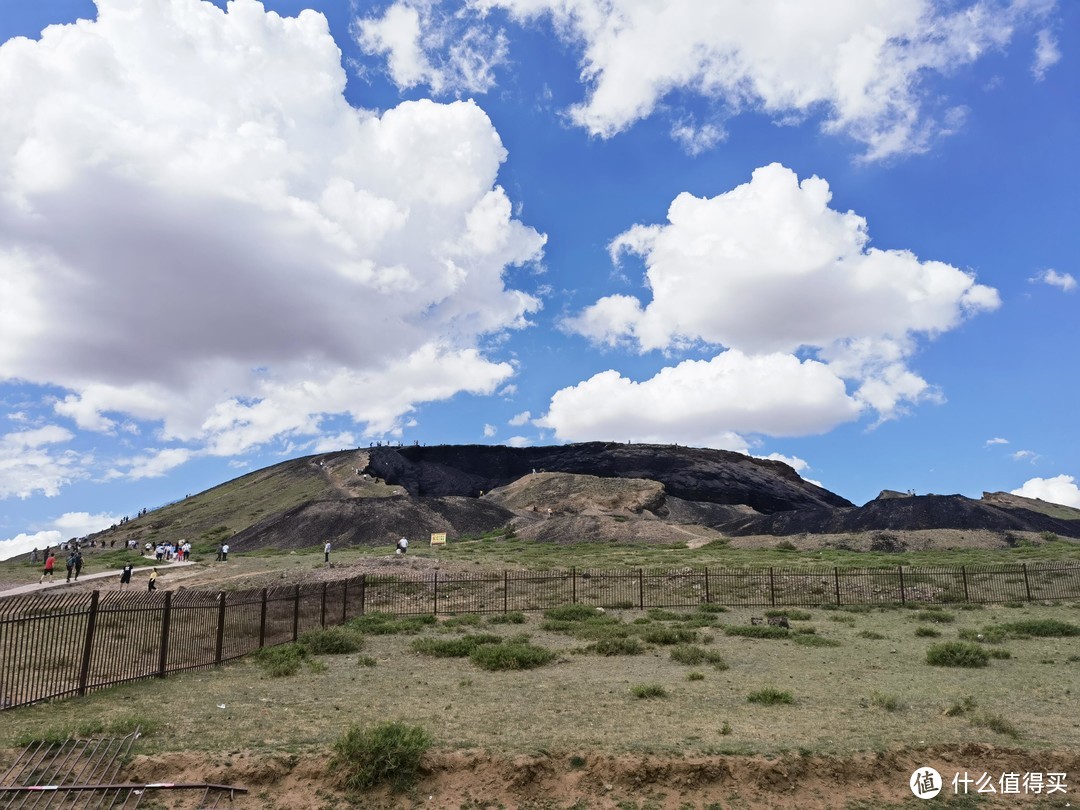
column 599, row 781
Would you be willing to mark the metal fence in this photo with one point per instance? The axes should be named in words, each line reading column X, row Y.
column 58, row 645
column 641, row 589
column 61, row 645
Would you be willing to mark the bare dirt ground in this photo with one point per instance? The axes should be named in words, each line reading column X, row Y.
column 475, row 779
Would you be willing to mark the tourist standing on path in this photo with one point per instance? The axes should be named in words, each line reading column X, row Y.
column 78, row 564
column 326, row 552
column 50, row 563
column 125, row 575
column 224, row 552
column 152, row 584
column 219, row 552
column 70, row 566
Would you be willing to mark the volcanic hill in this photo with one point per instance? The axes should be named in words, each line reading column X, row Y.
column 563, row 494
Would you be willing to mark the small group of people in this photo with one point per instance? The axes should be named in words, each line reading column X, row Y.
column 74, row 565
column 223, row 552
column 165, row 552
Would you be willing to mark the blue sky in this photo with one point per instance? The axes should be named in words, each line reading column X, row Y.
column 841, row 234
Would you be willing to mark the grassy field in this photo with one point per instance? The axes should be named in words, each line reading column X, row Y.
column 855, row 680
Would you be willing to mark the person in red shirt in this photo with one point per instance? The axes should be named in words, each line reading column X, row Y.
column 50, row 563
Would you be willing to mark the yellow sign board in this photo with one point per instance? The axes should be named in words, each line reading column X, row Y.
column 438, row 538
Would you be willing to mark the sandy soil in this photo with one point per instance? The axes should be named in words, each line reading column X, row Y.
column 475, row 779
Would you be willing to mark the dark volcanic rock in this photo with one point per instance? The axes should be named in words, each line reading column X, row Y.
column 688, row 473
column 907, row 513
column 372, row 522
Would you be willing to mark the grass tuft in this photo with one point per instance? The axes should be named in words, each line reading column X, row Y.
column 332, row 640
column 511, row 655
column 691, row 655
column 757, row 631
column 648, row 690
column 770, row 697
column 388, row 753
column 957, row 654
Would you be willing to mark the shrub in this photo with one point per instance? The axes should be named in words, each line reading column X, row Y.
column 648, row 690
column 794, row 614
column 572, row 613
column 805, row 629
column 963, row 706
column 770, row 697
column 281, row 661
column 988, row 635
column 709, row 607
column 1046, row 628
column 386, row 753
column 995, row 722
column 617, row 646
column 890, row 703
column 453, row 647
column 870, row 634
column 669, row 635
column 757, row 631
column 695, row 676
column 997, row 652
column 366, row 661
column 957, row 654
column 513, row 617
column 386, row 624
column 332, row 640
column 510, row 655
column 660, row 615
column 689, row 654
column 927, row 632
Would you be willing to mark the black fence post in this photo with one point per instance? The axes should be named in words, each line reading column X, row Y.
column 836, row 579
column 1027, row 583
column 641, row 588
column 219, row 651
column 506, row 589
column 963, row 578
column 296, row 613
column 903, row 596
column 573, row 585
column 88, row 646
column 772, row 588
column 322, row 612
column 262, row 621
column 363, row 593
column 435, row 594
column 163, row 652
column 344, row 601
column 707, row 597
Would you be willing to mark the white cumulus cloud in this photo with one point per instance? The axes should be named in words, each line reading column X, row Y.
column 425, row 45
column 769, row 271
column 68, row 525
column 1063, row 281
column 1047, row 54
column 197, row 230
column 520, row 419
column 1059, row 489
column 711, row 403
column 864, row 65
column 31, row 462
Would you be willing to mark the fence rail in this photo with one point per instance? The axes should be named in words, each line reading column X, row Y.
column 61, row 645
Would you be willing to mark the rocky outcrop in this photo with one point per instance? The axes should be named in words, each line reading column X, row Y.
column 905, row 514
column 689, row 473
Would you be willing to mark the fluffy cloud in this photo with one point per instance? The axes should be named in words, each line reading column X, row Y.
column 769, row 271
column 69, row 524
column 711, row 403
column 30, row 462
column 424, row 45
column 862, row 63
column 520, row 419
column 1063, row 281
column 1047, row 54
column 1060, row 489
column 196, row 229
